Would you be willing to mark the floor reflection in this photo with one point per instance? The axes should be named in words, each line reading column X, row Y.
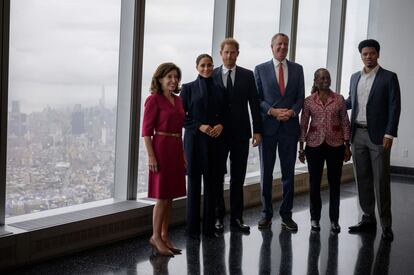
column 236, row 253
column 159, row 264
column 315, row 251
column 286, row 258
column 365, row 260
column 265, row 266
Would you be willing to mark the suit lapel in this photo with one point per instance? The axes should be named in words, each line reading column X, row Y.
column 219, row 76
column 355, row 89
column 290, row 75
column 377, row 79
column 273, row 79
column 203, row 91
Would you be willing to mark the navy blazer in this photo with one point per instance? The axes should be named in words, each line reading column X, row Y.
column 195, row 104
column 244, row 94
column 383, row 106
column 269, row 96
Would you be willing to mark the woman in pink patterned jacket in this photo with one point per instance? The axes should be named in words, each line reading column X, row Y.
column 325, row 129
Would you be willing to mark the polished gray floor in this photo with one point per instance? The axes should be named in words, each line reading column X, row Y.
column 272, row 251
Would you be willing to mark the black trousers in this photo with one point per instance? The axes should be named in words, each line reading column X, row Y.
column 238, row 152
column 211, row 175
column 316, row 157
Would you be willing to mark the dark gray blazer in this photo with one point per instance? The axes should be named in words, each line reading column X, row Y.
column 269, row 96
column 244, row 94
column 383, row 106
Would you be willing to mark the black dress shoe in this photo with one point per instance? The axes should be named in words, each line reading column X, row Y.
column 363, row 227
column 387, row 234
column 219, row 225
column 264, row 223
column 289, row 225
column 239, row 225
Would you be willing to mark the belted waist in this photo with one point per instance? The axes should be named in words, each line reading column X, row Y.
column 362, row 126
column 168, row 134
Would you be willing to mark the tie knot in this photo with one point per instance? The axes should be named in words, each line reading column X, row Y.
column 229, row 72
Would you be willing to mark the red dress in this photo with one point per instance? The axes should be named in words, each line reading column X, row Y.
column 161, row 116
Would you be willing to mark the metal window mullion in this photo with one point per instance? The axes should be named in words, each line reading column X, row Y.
column 289, row 10
column 223, row 24
column 129, row 98
column 4, row 84
column 336, row 41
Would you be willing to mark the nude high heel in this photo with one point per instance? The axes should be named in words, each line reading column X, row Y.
column 156, row 250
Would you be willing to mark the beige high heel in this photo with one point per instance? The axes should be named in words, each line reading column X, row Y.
column 160, row 251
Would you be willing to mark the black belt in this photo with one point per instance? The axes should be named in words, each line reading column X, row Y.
column 362, row 126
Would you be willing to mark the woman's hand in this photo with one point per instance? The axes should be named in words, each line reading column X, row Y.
column 347, row 153
column 216, row 131
column 206, row 129
column 302, row 156
column 152, row 164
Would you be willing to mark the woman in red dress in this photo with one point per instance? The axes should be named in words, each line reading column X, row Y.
column 161, row 128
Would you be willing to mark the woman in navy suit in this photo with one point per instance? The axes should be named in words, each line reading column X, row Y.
column 204, row 108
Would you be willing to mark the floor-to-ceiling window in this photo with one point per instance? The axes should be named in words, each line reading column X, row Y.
column 177, row 32
column 312, row 37
column 356, row 28
column 62, row 103
column 254, row 25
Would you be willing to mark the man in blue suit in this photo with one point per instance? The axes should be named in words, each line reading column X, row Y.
column 375, row 101
column 241, row 93
column 280, row 84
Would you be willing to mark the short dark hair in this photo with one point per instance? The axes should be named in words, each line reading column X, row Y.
column 229, row 41
column 203, row 55
column 162, row 70
column 370, row 43
column 277, row 35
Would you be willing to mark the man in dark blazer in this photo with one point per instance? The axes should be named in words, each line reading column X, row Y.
column 280, row 84
column 241, row 93
column 375, row 101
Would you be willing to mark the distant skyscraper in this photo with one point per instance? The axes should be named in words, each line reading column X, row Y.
column 78, row 120
column 17, row 120
column 102, row 99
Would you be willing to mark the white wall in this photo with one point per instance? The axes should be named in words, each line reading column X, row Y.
column 392, row 24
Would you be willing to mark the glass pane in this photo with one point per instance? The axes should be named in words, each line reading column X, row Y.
column 62, row 103
column 254, row 25
column 173, row 33
column 356, row 28
column 312, row 37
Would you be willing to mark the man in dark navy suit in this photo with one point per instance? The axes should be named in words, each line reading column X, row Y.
column 241, row 93
column 280, row 84
column 375, row 100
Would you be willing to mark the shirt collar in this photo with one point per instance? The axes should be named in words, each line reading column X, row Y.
column 224, row 70
column 372, row 72
column 276, row 62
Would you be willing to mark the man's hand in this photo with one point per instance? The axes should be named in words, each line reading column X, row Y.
column 285, row 116
column 257, row 138
column 277, row 112
column 387, row 143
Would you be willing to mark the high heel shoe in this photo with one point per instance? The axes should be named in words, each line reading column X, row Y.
column 159, row 251
column 174, row 250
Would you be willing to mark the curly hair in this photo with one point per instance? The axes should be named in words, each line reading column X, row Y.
column 162, row 70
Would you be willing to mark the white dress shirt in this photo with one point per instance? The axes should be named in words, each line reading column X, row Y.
column 224, row 74
column 363, row 90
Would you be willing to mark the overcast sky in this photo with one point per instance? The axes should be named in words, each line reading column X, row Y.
column 66, row 52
